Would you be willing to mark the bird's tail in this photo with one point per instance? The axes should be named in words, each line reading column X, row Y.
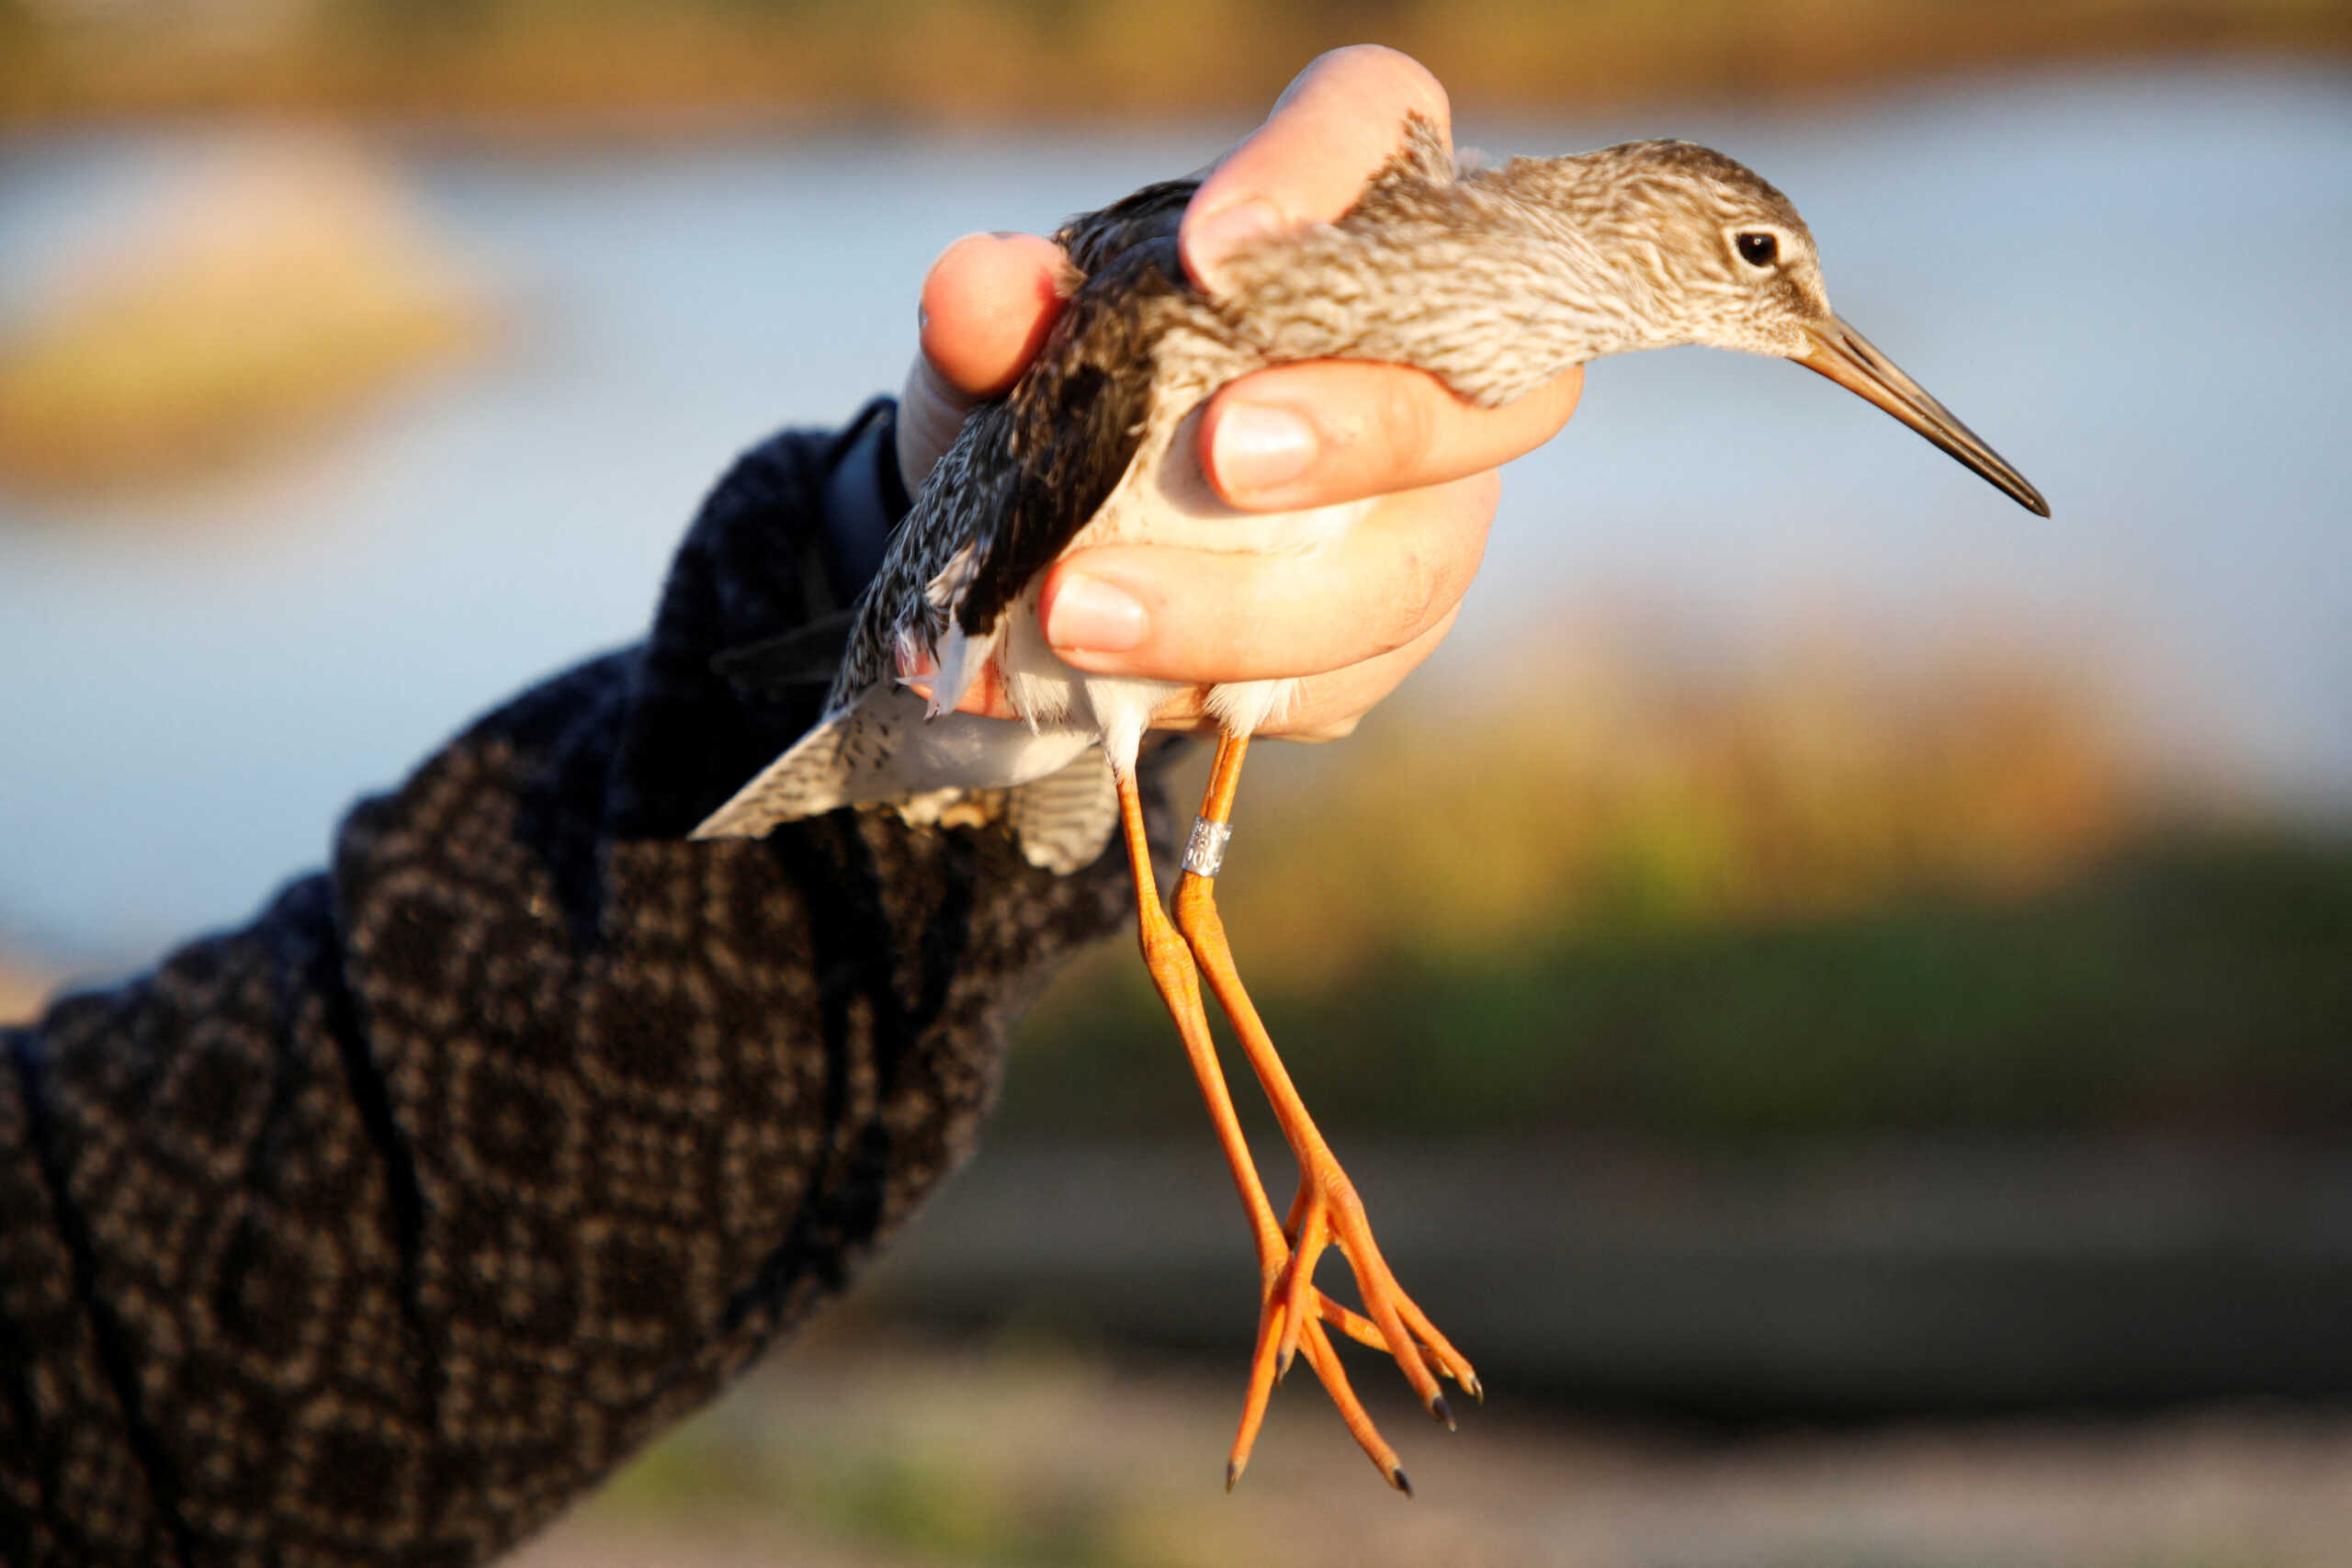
column 1064, row 820
column 1052, row 788
column 810, row 778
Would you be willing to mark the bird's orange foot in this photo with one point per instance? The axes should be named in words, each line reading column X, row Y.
column 1293, row 1314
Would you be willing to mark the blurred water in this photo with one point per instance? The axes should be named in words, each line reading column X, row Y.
column 2130, row 284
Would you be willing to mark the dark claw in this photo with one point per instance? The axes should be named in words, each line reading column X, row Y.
column 1396, row 1479
column 1232, row 1474
column 1478, row 1390
column 1439, row 1413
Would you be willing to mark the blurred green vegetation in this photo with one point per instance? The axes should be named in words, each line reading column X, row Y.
column 941, row 1505
column 911, row 1471
column 2197, row 985
column 1767, row 909
column 703, row 61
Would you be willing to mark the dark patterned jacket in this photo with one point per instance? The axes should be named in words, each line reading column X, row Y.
column 377, row 1231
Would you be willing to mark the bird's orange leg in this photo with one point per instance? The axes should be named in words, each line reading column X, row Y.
column 1327, row 1210
column 1171, row 962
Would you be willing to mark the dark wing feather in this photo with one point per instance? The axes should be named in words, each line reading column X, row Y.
column 1092, row 240
column 1078, row 416
column 1031, row 470
column 1076, row 419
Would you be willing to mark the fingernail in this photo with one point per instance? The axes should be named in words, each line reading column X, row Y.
column 1209, row 241
column 1257, row 448
column 1090, row 615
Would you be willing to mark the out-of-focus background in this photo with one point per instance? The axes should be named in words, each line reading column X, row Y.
column 1839, row 993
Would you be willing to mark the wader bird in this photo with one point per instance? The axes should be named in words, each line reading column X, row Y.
column 1493, row 282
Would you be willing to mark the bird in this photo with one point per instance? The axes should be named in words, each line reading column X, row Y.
column 1494, row 280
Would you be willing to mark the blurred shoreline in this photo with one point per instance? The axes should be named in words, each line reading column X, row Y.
column 278, row 287
column 870, row 1450
column 1877, row 1274
column 509, row 69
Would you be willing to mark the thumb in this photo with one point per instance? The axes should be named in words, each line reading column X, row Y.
column 988, row 302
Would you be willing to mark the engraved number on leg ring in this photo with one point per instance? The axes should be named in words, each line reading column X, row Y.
column 1205, row 852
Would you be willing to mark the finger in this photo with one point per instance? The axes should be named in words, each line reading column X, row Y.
column 987, row 304
column 1335, row 123
column 1200, row 616
column 1332, row 430
column 1325, row 707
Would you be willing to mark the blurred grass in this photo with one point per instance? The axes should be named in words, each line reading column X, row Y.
column 2193, row 985
column 1756, row 910
column 920, row 1485
column 524, row 65
column 1615, row 781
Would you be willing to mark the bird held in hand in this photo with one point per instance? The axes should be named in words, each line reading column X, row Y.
column 1494, row 282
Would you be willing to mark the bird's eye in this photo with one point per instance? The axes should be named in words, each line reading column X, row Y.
column 1758, row 249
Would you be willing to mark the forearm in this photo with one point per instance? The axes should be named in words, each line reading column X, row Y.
column 379, row 1229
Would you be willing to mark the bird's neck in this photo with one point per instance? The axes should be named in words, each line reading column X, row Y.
column 1468, row 282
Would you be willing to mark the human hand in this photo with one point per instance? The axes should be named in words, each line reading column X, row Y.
column 1354, row 618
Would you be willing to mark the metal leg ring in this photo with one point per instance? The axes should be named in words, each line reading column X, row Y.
column 1204, row 854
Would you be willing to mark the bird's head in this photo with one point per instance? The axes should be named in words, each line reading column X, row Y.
column 1704, row 250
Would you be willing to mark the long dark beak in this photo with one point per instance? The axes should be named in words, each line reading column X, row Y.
column 1847, row 358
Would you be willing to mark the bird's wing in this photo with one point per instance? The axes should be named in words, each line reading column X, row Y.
column 1022, row 477
column 956, row 508
column 1075, row 423
column 1064, row 820
column 1092, row 240
column 814, row 775
column 1025, row 475
column 1079, row 415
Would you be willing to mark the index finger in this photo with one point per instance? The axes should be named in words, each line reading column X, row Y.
column 1337, row 122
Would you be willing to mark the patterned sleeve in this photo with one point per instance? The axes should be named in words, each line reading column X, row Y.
column 377, row 1231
